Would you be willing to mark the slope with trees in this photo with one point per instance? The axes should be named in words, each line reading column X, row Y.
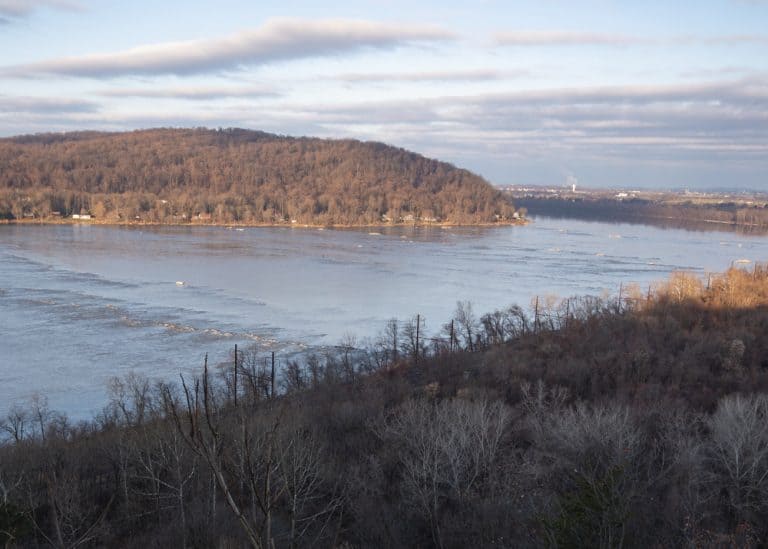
column 235, row 176
column 639, row 420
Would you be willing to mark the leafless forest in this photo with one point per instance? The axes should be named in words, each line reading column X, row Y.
column 235, row 176
column 638, row 420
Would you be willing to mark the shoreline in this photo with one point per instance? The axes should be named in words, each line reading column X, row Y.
column 69, row 221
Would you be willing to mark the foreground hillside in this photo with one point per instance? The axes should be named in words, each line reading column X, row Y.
column 235, row 176
column 634, row 421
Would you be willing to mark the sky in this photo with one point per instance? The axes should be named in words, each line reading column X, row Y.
column 605, row 93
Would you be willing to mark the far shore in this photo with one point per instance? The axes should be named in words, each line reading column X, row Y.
column 107, row 223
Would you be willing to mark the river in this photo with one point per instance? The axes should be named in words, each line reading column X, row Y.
column 80, row 304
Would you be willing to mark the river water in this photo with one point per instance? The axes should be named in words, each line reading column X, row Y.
column 80, row 304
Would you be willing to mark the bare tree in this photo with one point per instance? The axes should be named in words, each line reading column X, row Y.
column 260, row 466
column 200, row 425
column 413, row 338
column 16, row 423
column 446, row 451
column 391, row 334
column 164, row 470
column 595, row 455
column 467, row 326
column 130, row 398
column 738, row 450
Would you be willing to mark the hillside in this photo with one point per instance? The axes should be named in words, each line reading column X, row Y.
column 235, row 176
column 634, row 421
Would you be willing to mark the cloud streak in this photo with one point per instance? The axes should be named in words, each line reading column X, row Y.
column 23, row 8
column 562, row 38
column 725, row 120
column 432, row 76
column 44, row 105
column 727, row 117
column 276, row 40
column 194, row 93
column 573, row 38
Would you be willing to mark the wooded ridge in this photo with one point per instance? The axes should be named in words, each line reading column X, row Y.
column 235, row 176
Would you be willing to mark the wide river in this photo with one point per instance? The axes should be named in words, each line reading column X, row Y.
column 80, row 304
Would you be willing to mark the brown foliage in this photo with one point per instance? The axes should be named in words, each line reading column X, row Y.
column 234, row 175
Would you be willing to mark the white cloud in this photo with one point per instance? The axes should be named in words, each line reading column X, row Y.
column 193, row 92
column 430, row 76
column 277, row 39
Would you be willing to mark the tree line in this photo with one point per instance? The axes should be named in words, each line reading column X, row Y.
column 235, row 176
column 683, row 214
column 635, row 420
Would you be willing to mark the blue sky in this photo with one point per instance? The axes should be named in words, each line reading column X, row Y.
column 611, row 93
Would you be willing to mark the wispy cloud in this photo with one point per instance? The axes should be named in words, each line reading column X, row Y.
column 559, row 37
column 276, row 40
column 431, row 76
column 573, row 38
column 22, row 8
column 724, row 39
column 717, row 72
column 727, row 120
column 11, row 104
column 740, row 91
column 732, row 115
column 193, row 92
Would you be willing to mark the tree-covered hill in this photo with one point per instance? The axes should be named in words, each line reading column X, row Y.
column 235, row 176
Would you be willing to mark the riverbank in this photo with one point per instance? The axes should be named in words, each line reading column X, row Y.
column 70, row 221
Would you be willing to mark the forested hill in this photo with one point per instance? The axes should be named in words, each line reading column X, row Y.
column 235, row 176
